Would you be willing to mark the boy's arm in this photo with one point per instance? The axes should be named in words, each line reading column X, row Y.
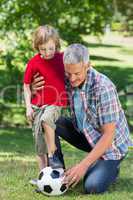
column 27, row 97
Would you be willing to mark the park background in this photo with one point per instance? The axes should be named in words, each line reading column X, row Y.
column 106, row 28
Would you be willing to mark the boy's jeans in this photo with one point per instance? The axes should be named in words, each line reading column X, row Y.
column 102, row 173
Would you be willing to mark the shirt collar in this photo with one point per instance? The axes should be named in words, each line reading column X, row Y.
column 90, row 78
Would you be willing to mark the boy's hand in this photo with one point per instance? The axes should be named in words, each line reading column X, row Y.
column 37, row 84
column 29, row 114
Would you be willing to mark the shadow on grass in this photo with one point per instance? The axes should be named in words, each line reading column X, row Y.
column 102, row 58
column 97, row 45
column 121, row 77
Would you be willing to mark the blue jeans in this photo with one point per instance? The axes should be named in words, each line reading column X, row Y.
column 102, row 173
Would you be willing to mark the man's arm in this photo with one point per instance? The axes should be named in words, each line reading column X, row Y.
column 74, row 174
column 102, row 145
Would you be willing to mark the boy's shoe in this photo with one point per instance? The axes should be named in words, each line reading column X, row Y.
column 33, row 181
column 55, row 162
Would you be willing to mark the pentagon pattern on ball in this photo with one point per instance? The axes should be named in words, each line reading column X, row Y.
column 40, row 175
column 55, row 174
column 47, row 189
column 63, row 188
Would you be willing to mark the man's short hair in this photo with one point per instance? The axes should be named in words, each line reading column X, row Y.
column 76, row 53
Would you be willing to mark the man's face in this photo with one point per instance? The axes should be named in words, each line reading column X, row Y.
column 47, row 50
column 76, row 73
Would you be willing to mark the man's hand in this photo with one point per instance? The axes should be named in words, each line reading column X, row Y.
column 74, row 174
column 37, row 84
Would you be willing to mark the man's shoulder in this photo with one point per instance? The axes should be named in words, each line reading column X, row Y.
column 100, row 82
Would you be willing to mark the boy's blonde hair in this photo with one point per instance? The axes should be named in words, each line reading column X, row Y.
column 43, row 34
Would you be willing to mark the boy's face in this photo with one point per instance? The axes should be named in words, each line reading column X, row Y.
column 47, row 50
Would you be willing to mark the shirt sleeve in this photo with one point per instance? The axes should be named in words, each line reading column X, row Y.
column 28, row 75
column 109, row 106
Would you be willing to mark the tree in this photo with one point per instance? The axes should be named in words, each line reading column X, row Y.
column 123, row 13
column 71, row 17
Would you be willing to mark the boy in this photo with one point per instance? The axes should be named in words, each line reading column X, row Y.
column 44, row 108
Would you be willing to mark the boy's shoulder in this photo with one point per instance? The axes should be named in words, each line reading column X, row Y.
column 59, row 54
column 58, row 57
column 35, row 58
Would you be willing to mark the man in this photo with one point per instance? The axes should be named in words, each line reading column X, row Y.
column 97, row 125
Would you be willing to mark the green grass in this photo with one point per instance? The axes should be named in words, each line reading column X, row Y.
column 113, row 57
column 18, row 165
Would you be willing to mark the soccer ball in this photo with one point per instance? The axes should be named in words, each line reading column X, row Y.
column 50, row 181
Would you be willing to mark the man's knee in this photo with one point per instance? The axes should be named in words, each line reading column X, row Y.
column 61, row 126
column 61, row 121
column 94, row 187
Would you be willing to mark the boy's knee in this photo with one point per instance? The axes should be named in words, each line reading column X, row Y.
column 48, row 124
column 44, row 124
column 94, row 187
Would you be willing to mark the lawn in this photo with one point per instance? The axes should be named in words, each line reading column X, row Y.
column 18, row 166
column 113, row 56
column 17, row 157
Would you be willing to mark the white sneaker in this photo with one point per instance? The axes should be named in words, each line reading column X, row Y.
column 33, row 181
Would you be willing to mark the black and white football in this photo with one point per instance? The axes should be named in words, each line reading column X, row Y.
column 50, row 181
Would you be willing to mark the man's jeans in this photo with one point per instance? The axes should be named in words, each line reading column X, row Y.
column 102, row 173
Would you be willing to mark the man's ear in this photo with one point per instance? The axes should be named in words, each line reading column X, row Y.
column 87, row 66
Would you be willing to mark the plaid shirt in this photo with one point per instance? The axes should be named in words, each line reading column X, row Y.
column 100, row 105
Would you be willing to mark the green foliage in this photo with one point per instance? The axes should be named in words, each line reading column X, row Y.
column 123, row 13
column 72, row 18
column 13, row 62
column 4, row 110
column 116, row 26
column 11, row 78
